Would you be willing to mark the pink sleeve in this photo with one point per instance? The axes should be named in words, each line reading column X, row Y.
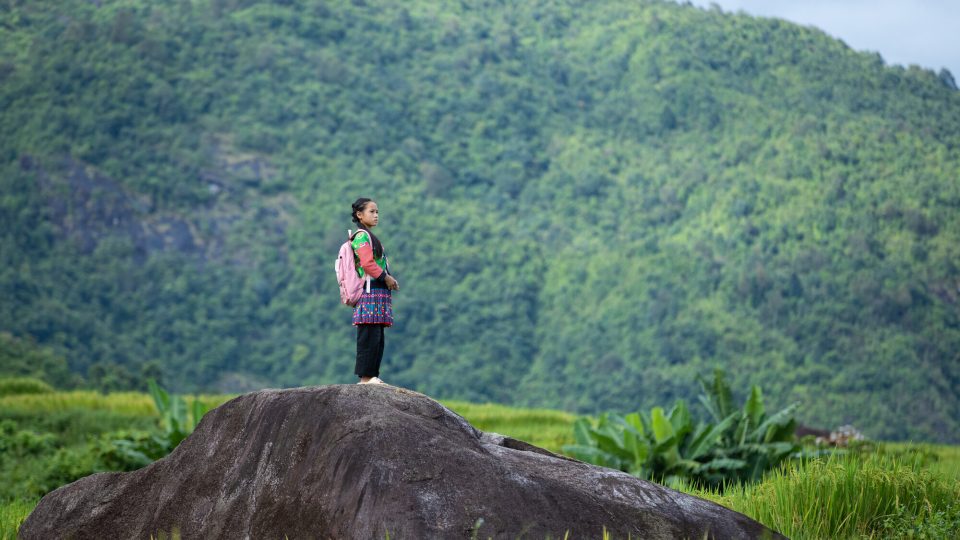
column 370, row 268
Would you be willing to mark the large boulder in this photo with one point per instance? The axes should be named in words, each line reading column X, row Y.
column 365, row 461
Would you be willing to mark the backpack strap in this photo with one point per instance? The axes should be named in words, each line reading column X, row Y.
column 351, row 236
column 354, row 234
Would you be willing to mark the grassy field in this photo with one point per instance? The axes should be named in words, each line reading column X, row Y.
column 946, row 463
column 889, row 490
column 871, row 495
column 541, row 427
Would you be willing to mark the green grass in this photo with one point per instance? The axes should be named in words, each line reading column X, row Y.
column 12, row 514
column 866, row 495
column 946, row 458
column 545, row 428
column 122, row 402
column 75, row 426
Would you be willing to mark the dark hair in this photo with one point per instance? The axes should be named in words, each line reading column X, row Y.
column 358, row 206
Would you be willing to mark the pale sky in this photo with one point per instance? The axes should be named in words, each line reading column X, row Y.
column 922, row 32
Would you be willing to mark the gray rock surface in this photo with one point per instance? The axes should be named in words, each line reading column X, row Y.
column 359, row 461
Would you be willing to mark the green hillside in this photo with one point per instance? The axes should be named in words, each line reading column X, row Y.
column 586, row 203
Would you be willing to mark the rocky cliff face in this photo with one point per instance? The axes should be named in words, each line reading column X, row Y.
column 87, row 206
column 352, row 461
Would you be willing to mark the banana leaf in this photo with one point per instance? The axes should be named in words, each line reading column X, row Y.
column 717, row 396
column 581, row 432
column 666, row 446
column 681, row 420
column 161, row 399
column 592, row 454
column 608, row 440
column 782, row 448
column 709, row 436
column 636, row 445
column 640, row 472
column 637, row 423
column 722, row 464
column 662, row 428
column 753, row 409
column 198, row 411
column 782, row 433
column 687, row 466
column 709, row 405
column 740, row 435
column 781, row 422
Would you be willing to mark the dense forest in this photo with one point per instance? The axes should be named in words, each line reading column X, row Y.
column 587, row 204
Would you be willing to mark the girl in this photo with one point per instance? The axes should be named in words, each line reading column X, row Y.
column 374, row 311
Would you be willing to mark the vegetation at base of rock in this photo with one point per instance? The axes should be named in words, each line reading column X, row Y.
column 399, row 443
column 50, row 439
column 77, row 420
column 617, row 198
column 739, row 446
column 127, row 451
column 852, row 495
column 176, row 418
column 12, row 514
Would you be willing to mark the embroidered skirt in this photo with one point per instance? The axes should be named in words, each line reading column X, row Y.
column 374, row 307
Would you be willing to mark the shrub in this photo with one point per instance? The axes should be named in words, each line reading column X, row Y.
column 670, row 448
column 130, row 450
column 15, row 443
column 65, row 466
column 15, row 386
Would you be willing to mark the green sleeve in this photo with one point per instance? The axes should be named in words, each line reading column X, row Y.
column 361, row 238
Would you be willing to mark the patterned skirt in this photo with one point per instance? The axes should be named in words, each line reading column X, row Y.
column 374, row 307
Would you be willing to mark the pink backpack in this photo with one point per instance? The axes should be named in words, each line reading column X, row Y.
column 351, row 285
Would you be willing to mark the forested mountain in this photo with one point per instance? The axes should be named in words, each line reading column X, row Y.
column 586, row 203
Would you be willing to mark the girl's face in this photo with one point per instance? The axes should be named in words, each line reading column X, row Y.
column 369, row 216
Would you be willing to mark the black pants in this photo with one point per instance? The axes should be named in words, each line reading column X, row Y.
column 369, row 349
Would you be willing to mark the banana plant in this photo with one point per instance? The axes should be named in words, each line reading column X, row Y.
column 659, row 446
column 759, row 441
column 176, row 419
column 130, row 450
column 740, row 444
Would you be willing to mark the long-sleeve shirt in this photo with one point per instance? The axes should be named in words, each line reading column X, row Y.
column 367, row 264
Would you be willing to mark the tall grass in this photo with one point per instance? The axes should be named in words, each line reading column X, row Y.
column 945, row 459
column 872, row 495
column 12, row 514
